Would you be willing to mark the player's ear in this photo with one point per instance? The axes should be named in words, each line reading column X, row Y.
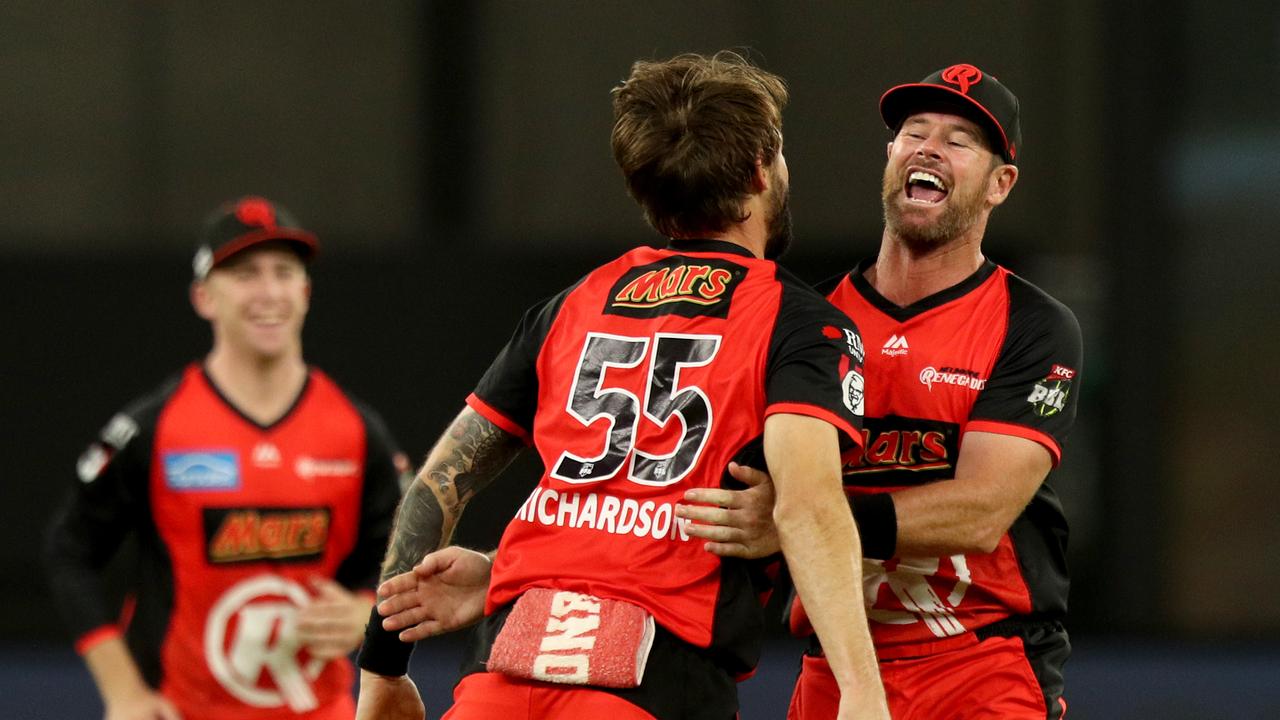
column 201, row 300
column 759, row 177
column 1001, row 182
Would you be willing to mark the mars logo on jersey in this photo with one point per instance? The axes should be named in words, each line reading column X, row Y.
column 251, row 645
column 903, row 451
column 237, row 535
column 677, row 285
column 1049, row 396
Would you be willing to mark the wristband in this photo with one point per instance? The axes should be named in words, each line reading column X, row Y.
column 877, row 519
column 382, row 651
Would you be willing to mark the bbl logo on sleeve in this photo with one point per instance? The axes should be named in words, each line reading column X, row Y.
column 1049, row 396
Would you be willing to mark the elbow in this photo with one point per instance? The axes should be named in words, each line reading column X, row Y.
column 982, row 540
column 808, row 513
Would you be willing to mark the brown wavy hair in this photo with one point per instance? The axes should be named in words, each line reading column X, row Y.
column 687, row 133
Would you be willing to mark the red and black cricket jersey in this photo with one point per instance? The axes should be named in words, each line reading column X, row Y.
column 231, row 518
column 645, row 379
column 992, row 354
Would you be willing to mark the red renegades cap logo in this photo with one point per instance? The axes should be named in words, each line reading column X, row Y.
column 962, row 75
column 256, row 211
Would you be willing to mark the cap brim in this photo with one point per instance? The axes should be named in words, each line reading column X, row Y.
column 901, row 101
column 303, row 242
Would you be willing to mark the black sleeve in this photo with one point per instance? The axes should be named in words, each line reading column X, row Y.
column 815, row 362
column 386, row 473
column 1035, row 383
column 510, row 385
column 108, row 502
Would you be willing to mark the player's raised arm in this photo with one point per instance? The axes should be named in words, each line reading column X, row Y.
column 820, row 543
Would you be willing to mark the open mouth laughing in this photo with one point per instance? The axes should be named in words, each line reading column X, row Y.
column 926, row 188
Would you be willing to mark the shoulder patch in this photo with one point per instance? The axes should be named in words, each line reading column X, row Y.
column 115, row 435
column 1049, row 396
column 119, row 430
column 93, row 461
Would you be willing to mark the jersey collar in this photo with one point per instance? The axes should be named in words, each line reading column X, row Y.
column 859, row 280
column 703, row 245
column 306, row 385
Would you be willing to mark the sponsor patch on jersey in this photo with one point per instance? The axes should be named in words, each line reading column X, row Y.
column 1049, row 396
column 853, row 396
column 678, row 285
column 310, row 468
column 901, row 451
column 853, row 341
column 93, row 461
column 117, row 433
column 119, row 430
column 202, row 470
column 248, row 534
column 956, row 377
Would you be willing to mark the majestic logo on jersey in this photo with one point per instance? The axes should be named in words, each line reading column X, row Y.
column 903, row 451
column 1049, row 396
column 266, row 455
column 202, row 470
column 951, row 376
column 895, row 346
column 251, row 645
column 236, row 535
column 908, row 590
column 688, row 287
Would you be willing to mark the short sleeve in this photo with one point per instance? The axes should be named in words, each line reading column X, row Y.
column 815, row 364
column 507, row 394
column 1035, row 384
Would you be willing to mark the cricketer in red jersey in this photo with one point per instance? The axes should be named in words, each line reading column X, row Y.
column 260, row 497
column 644, row 379
column 974, row 376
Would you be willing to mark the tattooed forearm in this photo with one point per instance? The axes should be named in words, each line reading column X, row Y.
column 471, row 453
column 418, row 528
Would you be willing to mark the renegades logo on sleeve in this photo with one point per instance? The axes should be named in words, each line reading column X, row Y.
column 678, row 285
column 248, row 534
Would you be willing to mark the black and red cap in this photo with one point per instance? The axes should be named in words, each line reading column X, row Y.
column 966, row 90
column 241, row 224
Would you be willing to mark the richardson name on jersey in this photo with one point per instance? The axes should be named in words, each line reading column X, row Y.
column 248, row 534
column 603, row 513
column 678, row 285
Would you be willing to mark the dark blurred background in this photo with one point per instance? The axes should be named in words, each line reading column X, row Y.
column 454, row 159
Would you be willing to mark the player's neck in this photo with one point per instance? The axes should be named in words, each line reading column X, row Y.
column 751, row 234
column 262, row 388
column 905, row 275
